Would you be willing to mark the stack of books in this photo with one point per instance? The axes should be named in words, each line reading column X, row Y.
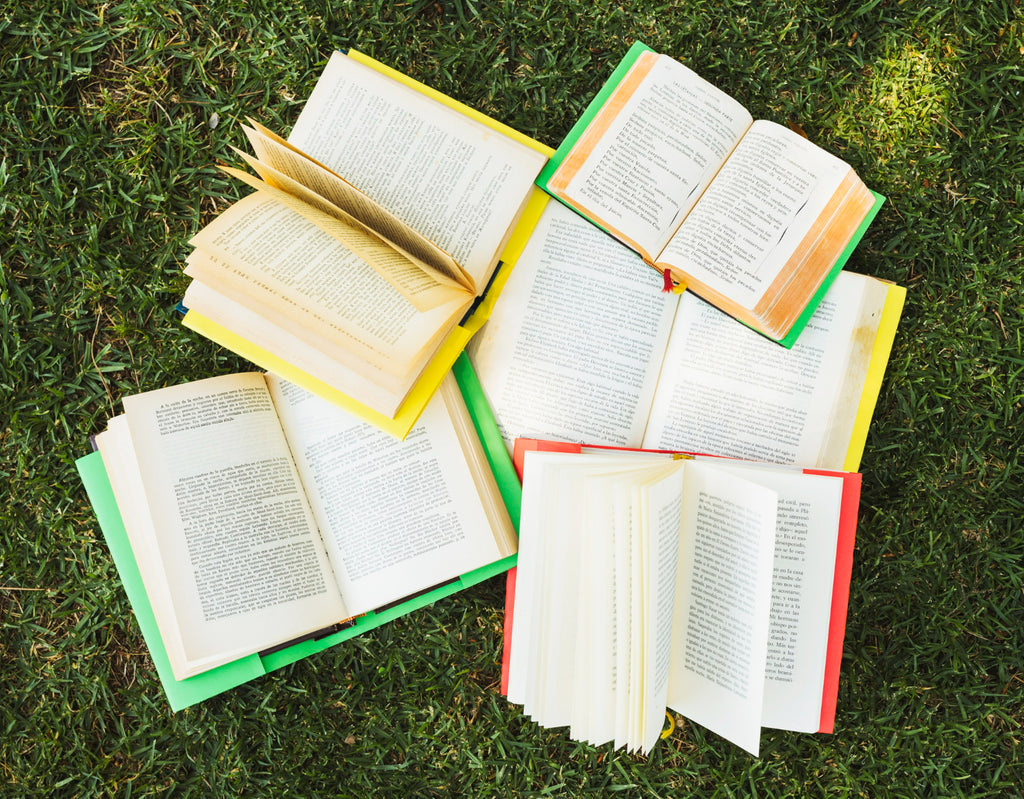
column 431, row 293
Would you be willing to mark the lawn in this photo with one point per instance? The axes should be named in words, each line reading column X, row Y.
column 114, row 116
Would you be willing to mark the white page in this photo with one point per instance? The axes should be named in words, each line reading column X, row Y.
column 301, row 277
column 232, row 524
column 397, row 516
column 663, row 503
column 455, row 180
column 596, row 696
column 549, row 588
column 555, row 585
column 523, row 651
column 639, row 571
column 658, row 153
column 720, row 628
column 121, row 465
column 755, row 213
column 573, row 347
column 594, row 645
column 802, row 585
column 623, row 619
column 804, row 566
column 725, row 390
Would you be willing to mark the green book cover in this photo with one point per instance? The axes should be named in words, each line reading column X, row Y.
column 634, row 52
column 183, row 693
column 594, row 107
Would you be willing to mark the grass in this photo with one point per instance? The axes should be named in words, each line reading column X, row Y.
column 113, row 118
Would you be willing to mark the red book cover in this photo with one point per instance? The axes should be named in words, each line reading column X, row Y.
column 840, row 583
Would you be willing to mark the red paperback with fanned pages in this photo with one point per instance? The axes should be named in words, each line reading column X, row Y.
column 840, row 583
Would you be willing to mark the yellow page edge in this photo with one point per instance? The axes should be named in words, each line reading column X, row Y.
column 462, row 108
column 884, row 338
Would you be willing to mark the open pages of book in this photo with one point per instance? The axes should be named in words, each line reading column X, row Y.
column 651, row 151
column 258, row 513
column 747, row 214
column 582, row 346
column 369, row 236
column 705, row 585
column 457, row 182
column 602, row 539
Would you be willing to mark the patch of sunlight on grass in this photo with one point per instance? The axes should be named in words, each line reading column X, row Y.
column 900, row 112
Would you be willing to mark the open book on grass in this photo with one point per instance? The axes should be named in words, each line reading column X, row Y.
column 583, row 347
column 245, row 513
column 373, row 231
column 747, row 214
column 717, row 588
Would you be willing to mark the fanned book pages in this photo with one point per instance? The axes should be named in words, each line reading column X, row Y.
column 717, row 588
column 375, row 241
column 245, row 513
column 747, row 214
column 583, row 347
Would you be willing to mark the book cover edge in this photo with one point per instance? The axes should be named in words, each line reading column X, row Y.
column 885, row 337
column 592, row 109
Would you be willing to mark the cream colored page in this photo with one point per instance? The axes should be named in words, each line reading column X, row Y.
column 233, row 527
column 725, row 390
column 524, row 653
column 625, row 589
column 397, row 516
column 663, row 507
column 596, row 625
column 421, row 285
column 547, row 591
column 804, row 566
column 659, row 154
column 271, row 253
column 722, row 603
column 559, row 593
column 121, row 466
column 454, row 180
column 574, row 344
column 755, row 213
column 849, row 395
column 257, row 318
column 283, row 159
column 372, row 387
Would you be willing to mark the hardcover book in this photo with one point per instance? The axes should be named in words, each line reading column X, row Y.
column 748, row 214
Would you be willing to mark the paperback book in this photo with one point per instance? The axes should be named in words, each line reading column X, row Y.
column 583, row 347
column 715, row 587
column 253, row 523
column 377, row 237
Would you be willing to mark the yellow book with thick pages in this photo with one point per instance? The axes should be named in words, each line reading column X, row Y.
column 379, row 235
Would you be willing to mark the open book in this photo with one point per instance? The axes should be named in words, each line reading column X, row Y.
column 747, row 214
column 718, row 588
column 258, row 513
column 372, row 232
column 583, row 347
